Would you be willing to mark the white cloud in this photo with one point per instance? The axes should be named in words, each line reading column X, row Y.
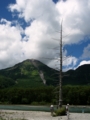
column 76, row 18
column 74, row 13
column 70, row 61
column 84, row 62
column 39, row 9
column 86, row 52
column 44, row 18
column 10, row 44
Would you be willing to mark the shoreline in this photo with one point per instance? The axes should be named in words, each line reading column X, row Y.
column 40, row 115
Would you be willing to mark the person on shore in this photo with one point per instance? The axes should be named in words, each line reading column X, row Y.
column 52, row 109
column 67, row 108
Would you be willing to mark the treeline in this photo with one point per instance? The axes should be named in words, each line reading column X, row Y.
column 74, row 95
column 41, row 95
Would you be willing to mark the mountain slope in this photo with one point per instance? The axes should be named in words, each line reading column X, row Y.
column 32, row 73
column 29, row 73
column 80, row 76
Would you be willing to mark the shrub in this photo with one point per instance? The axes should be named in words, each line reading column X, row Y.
column 60, row 111
column 34, row 103
column 24, row 100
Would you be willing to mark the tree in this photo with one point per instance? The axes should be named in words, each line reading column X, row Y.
column 60, row 81
column 60, row 98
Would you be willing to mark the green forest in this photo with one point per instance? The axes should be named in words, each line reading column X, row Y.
column 74, row 95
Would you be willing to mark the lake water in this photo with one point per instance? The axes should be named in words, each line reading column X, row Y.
column 75, row 109
column 25, row 107
column 80, row 109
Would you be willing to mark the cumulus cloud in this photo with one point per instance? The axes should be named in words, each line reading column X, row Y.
column 84, row 62
column 44, row 18
column 10, row 44
column 86, row 52
column 68, row 63
column 75, row 17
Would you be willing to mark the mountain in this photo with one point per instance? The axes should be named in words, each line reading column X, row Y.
column 80, row 76
column 33, row 73
column 29, row 73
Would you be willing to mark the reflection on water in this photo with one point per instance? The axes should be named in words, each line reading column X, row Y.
column 74, row 109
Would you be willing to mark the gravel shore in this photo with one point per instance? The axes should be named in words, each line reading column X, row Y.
column 37, row 115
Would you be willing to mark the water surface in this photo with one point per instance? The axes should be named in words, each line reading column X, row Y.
column 74, row 109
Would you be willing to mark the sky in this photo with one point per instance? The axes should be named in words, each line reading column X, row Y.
column 30, row 29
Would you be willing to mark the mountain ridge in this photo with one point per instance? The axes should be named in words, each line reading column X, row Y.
column 30, row 70
column 33, row 73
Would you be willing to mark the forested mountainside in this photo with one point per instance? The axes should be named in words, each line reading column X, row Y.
column 29, row 73
column 33, row 73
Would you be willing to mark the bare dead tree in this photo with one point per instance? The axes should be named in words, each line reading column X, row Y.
column 60, row 97
column 60, row 79
column 60, row 46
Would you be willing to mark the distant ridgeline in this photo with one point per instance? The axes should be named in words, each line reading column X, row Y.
column 32, row 73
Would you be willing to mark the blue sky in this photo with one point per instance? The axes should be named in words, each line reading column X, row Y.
column 4, row 13
column 27, row 29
